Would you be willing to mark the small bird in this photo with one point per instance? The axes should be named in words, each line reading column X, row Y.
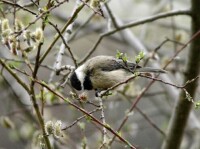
column 103, row 72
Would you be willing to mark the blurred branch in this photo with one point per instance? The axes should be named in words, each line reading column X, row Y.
column 104, row 139
column 99, row 12
column 64, row 45
column 151, row 83
column 153, row 53
column 183, row 107
column 85, row 112
column 32, row 63
column 74, row 34
column 13, row 74
column 135, row 23
column 32, row 90
column 40, row 16
column 145, row 117
column 72, row 18
column 80, row 118
column 17, row 101
column 28, row 4
column 167, row 83
column 19, row 6
column 150, row 122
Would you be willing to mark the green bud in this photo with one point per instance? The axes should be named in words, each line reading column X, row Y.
column 122, row 56
column 49, row 127
column 57, row 129
column 119, row 55
column 38, row 35
column 125, row 58
column 94, row 4
column 81, row 125
column 141, row 54
column 139, row 57
column 41, row 141
column 188, row 96
column 6, row 122
column 5, row 25
column 197, row 104
column 18, row 24
column 6, row 33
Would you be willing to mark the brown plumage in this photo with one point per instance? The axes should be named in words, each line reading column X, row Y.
column 103, row 72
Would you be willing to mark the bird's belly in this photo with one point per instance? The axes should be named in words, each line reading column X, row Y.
column 107, row 80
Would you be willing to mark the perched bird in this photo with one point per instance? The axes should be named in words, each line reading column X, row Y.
column 103, row 72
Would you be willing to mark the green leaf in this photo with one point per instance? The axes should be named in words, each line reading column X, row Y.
column 119, row 133
column 88, row 118
column 139, row 57
column 107, row 125
column 197, row 104
column 6, row 122
column 141, row 54
column 81, row 125
column 124, row 57
column 14, row 64
column 119, row 55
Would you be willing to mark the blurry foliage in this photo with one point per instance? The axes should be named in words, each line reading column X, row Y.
column 20, row 49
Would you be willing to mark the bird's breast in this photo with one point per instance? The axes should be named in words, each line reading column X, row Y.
column 105, row 79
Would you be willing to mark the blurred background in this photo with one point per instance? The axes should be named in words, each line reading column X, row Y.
column 147, row 124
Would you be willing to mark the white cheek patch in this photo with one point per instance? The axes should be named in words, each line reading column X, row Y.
column 80, row 75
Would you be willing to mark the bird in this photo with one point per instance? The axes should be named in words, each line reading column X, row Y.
column 102, row 72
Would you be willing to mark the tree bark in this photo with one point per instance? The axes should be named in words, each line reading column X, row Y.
column 182, row 109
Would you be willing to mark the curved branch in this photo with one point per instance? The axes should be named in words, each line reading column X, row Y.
column 136, row 23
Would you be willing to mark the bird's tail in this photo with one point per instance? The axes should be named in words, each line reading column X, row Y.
column 150, row 69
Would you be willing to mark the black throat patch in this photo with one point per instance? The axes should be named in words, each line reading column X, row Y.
column 75, row 82
column 87, row 84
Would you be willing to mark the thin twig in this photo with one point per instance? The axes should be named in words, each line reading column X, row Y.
column 19, row 6
column 146, row 117
column 32, row 89
column 32, row 63
column 96, row 12
column 62, row 30
column 40, row 16
column 68, row 32
column 80, row 118
column 159, row 47
column 85, row 112
column 104, row 139
column 19, row 80
column 132, row 24
column 167, row 83
column 151, row 83
column 80, row 28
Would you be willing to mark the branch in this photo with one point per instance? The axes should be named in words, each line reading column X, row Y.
column 151, row 83
column 63, row 45
column 104, row 140
column 85, row 112
column 19, row 6
column 135, row 23
column 80, row 118
column 40, row 16
column 2, row 62
column 182, row 110
column 167, row 83
column 62, row 31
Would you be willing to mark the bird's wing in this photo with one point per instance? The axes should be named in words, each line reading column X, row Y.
column 110, row 64
column 115, row 64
